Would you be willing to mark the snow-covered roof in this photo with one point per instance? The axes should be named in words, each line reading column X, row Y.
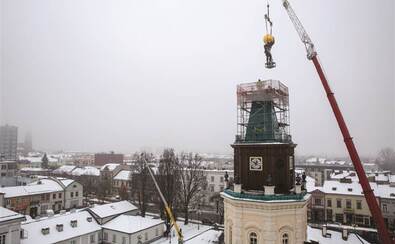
column 315, row 160
column 110, row 167
column 355, row 189
column 38, row 159
column 33, row 169
column 7, row 215
column 381, row 178
column 33, row 228
column 87, row 170
column 132, row 224
column 337, row 187
column 41, row 186
column 66, row 182
column 64, row 169
column 335, row 237
column 123, row 175
column 337, row 175
column 112, row 209
column 385, row 191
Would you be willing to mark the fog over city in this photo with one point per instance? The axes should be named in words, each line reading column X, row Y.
column 94, row 75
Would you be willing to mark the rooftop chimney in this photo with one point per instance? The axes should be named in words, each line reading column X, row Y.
column 345, row 234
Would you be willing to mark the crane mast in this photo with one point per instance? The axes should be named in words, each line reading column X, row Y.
column 367, row 190
column 167, row 207
column 304, row 37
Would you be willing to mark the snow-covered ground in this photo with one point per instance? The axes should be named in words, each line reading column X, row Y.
column 193, row 233
column 210, row 236
column 333, row 237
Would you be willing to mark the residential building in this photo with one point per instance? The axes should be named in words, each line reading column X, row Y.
column 122, row 179
column 8, row 170
column 108, row 172
column 107, row 212
column 64, row 170
column 75, row 227
column 10, row 226
column 45, row 193
column 322, row 171
column 215, row 184
column 343, row 189
column 108, row 158
column 132, row 229
column 343, row 202
column 28, row 143
column 104, row 224
column 8, row 142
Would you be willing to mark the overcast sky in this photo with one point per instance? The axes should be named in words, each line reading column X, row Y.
column 95, row 75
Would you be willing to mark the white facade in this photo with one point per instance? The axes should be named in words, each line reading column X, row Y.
column 10, row 226
column 73, row 195
column 132, row 229
column 215, row 183
column 265, row 222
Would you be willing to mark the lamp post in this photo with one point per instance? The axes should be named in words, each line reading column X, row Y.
column 198, row 213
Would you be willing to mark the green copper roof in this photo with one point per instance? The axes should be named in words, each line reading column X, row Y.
column 262, row 123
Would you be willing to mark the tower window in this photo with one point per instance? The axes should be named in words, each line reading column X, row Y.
column 253, row 238
column 285, row 239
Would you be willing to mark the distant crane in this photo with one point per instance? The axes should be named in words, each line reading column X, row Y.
column 367, row 190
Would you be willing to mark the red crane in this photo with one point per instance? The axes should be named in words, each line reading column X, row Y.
column 384, row 235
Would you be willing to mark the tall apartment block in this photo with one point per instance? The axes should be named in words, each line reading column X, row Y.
column 8, row 142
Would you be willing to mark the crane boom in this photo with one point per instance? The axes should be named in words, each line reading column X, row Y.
column 363, row 180
column 167, row 207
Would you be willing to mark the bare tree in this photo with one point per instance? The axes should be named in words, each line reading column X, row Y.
column 168, row 179
column 123, row 192
column 192, row 181
column 386, row 159
column 104, row 189
column 140, row 179
column 219, row 206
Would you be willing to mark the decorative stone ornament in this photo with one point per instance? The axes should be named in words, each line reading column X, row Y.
column 256, row 163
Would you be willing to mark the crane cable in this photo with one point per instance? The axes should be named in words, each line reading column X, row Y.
column 267, row 20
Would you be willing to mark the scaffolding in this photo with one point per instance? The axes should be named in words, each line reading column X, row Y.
column 263, row 112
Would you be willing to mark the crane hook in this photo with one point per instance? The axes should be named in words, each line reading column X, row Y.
column 268, row 40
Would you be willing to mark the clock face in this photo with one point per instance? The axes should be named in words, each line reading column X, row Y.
column 256, row 163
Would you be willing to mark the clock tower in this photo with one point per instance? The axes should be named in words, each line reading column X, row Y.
column 263, row 150
column 267, row 203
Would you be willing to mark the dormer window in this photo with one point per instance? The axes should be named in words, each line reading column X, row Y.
column 45, row 231
column 73, row 223
column 59, row 227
